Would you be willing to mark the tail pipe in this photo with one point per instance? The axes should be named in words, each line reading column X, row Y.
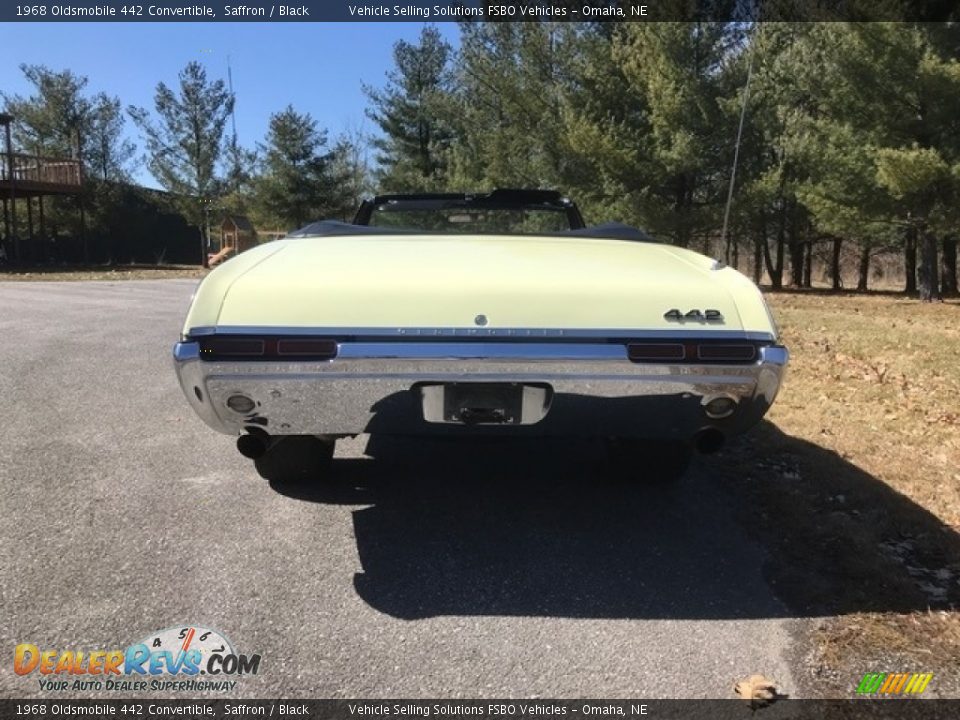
column 255, row 444
column 709, row 441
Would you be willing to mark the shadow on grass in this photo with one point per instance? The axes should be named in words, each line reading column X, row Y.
column 840, row 540
column 533, row 527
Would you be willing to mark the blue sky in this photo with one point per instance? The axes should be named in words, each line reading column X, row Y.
column 316, row 67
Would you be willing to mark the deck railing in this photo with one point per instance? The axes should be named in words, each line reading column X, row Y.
column 40, row 170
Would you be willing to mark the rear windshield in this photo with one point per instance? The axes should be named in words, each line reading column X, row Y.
column 468, row 220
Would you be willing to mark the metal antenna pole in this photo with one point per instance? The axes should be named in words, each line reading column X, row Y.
column 736, row 147
column 233, row 110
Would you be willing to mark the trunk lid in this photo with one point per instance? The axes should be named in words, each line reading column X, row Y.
column 443, row 281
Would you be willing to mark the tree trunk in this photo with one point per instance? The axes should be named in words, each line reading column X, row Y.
column 863, row 272
column 796, row 264
column 758, row 258
column 681, row 210
column 775, row 271
column 835, row 264
column 929, row 282
column 808, row 265
column 948, row 277
column 910, row 260
column 781, row 243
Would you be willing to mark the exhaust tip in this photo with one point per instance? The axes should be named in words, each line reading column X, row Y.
column 709, row 441
column 720, row 407
column 253, row 446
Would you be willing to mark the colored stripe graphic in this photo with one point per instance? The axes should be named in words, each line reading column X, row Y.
column 894, row 683
column 870, row 683
column 889, row 682
column 920, row 682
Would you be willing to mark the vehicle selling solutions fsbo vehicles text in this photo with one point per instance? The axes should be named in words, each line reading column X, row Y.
column 524, row 709
column 532, row 11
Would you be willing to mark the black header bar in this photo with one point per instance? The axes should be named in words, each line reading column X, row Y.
column 437, row 11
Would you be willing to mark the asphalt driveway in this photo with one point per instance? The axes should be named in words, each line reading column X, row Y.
column 424, row 569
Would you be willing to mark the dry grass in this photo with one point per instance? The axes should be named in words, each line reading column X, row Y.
column 854, row 484
column 101, row 272
column 874, row 378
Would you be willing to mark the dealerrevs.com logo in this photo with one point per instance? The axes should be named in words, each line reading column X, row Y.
column 187, row 658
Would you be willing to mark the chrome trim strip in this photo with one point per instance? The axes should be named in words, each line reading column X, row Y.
column 534, row 352
column 775, row 355
column 706, row 332
column 184, row 351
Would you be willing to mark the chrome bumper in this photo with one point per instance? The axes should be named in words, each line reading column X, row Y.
column 372, row 387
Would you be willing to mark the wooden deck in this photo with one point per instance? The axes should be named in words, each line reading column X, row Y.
column 34, row 175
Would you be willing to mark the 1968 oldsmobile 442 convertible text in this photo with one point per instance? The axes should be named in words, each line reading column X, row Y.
column 489, row 313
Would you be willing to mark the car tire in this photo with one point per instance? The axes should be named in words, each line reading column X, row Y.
column 296, row 458
column 648, row 461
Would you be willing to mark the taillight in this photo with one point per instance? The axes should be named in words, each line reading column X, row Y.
column 232, row 347
column 307, row 347
column 640, row 352
column 267, row 348
column 691, row 351
column 733, row 352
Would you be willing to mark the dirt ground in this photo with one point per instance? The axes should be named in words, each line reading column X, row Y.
column 854, row 484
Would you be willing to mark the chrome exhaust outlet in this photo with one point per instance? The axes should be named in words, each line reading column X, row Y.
column 254, row 445
column 709, row 441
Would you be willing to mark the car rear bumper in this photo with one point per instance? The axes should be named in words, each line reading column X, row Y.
column 380, row 387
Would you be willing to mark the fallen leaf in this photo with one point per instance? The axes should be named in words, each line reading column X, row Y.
column 758, row 690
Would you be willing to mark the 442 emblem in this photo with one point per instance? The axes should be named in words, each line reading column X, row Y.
column 695, row 315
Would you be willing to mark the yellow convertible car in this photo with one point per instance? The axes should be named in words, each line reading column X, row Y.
column 489, row 313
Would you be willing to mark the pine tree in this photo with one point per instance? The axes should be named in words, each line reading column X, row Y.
column 107, row 152
column 647, row 126
column 186, row 141
column 408, row 111
column 507, row 111
column 50, row 121
column 297, row 183
column 888, row 95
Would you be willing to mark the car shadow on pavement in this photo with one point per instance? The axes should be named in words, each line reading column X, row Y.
column 534, row 527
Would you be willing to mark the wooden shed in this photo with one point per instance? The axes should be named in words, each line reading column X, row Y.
column 236, row 235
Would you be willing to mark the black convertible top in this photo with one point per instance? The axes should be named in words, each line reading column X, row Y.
column 503, row 198
column 499, row 199
column 331, row 228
